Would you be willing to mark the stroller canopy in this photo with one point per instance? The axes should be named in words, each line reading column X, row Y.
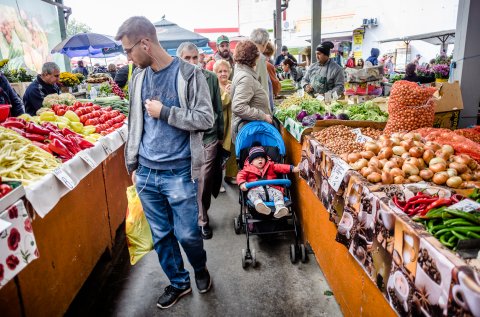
column 261, row 132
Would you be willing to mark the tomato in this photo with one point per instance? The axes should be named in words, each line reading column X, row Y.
column 96, row 107
column 89, row 104
column 107, row 108
column 77, row 104
column 61, row 112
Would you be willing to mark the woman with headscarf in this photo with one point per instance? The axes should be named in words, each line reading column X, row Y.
column 324, row 76
column 374, row 53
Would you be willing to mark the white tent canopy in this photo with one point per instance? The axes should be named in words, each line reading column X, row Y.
column 442, row 38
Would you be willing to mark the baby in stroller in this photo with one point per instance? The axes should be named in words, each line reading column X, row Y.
column 258, row 166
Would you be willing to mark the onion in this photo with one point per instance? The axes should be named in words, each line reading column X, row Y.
column 385, row 153
column 367, row 154
column 388, row 166
column 476, row 175
column 406, row 144
column 440, row 178
column 466, row 177
column 398, row 179
column 419, row 144
column 396, row 141
column 417, row 136
column 460, row 167
column 462, row 158
column 410, row 169
column 344, row 157
column 415, row 178
column 374, row 161
column 443, row 155
column 416, row 151
column 396, row 172
column 426, row 174
column 447, row 149
column 385, row 143
column 364, row 171
column 438, row 167
column 398, row 150
column 358, row 165
column 397, row 160
column 372, row 146
column 408, row 136
column 437, row 160
column 405, row 155
column 353, row 157
column 387, row 178
column 454, row 182
column 374, row 177
column 432, row 146
column 412, row 160
column 383, row 161
column 452, row 172
column 428, row 155
column 421, row 163
column 473, row 165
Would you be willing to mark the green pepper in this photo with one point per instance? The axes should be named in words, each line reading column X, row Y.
column 473, row 235
column 445, row 242
column 455, row 222
column 458, row 235
column 452, row 239
column 465, row 215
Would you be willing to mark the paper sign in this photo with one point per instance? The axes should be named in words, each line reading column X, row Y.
column 466, row 205
column 4, row 225
column 338, row 173
column 356, row 131
column 64, row 178
column 328, row 97
column 87, row 158
column 106, row 147
column 363, row 138
column 123, row 134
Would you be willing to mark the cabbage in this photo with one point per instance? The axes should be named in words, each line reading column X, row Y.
column 302, row 114
column 309, row 121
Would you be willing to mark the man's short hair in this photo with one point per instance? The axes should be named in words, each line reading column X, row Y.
column 259, row 36
column 136, row 28
column 80, row 63
column 188, row 46
column 49, row 68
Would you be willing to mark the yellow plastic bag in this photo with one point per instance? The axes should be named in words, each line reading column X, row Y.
column 139, row 236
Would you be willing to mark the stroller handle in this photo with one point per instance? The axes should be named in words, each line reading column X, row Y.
column 285, row 182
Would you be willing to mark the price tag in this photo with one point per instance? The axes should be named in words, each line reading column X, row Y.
column 64, row 178
column 4, row 225
column 339, row 170
column 87, row 158
column 328, row 97
column 466, row 205
column 123, row 134
column 363, row 138
column 356, row 131
column 106, row 147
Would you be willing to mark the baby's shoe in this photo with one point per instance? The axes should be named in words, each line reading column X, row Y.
column 280, row 211
column 262, row 208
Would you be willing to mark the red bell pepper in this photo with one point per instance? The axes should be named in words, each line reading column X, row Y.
column 14, row 124
column 57, row 147
column 67, row 131
column 43, row 146
column 33, row 128
column 19, row 131
column 50, row 127
column 84, row 144
column 15, row 119
column 35, row 137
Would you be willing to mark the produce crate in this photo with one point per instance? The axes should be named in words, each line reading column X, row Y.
column 322, row 124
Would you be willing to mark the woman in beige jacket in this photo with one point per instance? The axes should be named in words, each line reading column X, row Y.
column 250, row 100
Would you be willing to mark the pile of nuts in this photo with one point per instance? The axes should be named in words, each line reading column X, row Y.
column 340, row 139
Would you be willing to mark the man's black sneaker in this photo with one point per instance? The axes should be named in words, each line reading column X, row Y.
column 206, row 232
column 171, row 296
column 203, row 280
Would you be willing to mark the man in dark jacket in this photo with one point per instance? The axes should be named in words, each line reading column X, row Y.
column 374, row 53
column 45, row 84
column 285, row 54
column 123, row 75
column 8, row 96
column 211, row 173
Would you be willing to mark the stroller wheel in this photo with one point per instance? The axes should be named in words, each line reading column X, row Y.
column 303, row 253
column 254, row 258
column 293, row 253
column 236, row 225
column 244, row 258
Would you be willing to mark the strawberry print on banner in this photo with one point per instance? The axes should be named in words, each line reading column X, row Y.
column 17, row 243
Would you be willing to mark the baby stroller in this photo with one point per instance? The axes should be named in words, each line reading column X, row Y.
column 249, row 221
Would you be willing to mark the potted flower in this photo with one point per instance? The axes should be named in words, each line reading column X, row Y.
column 441, row 71
column 67, row 81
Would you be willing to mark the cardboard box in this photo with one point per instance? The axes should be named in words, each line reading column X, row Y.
column 448, row 105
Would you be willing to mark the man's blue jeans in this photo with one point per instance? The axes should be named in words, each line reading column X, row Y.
column 169, row 201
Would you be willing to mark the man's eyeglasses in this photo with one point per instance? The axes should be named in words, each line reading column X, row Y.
column 129, row 50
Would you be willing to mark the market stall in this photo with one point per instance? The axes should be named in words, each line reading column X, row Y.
column 379, row 232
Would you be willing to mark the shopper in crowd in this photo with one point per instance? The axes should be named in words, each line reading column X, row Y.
column 223, row 71
column 259, row 166
column 289, row 71
column 351, row 61
column 373, row 59
column 81, row 69
column 201, row 59
column 45, row 84
column 8, row 96
column 360, row 63
column 261, row 37
column 306, row 57
column 324, row 75
column 124, row 74
column 112, row 70
column 210, row 178
column 388, row 66
column 250, row 100
column 223, row 50
column 170, row 108
column 416, row 61
column 272, row 73
column 410, row 75
column 283, row 55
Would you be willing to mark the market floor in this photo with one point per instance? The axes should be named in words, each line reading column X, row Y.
column 274, row 288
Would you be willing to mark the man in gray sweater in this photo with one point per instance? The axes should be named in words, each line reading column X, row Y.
column 170, row 108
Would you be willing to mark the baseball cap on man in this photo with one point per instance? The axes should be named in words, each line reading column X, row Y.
column 284, row 48
column 221, row 39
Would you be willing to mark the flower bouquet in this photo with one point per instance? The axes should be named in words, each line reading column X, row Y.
column 441, row 71
column 423, row 71
column 68, row 79
column 80, row 77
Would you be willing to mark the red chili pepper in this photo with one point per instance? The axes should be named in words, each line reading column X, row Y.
column 421, row 200
column 439, row 203
column 33, row 128
column 57, row 147
column 13, row 124
column 35, row 137
column 400, row 204
column 457, row 197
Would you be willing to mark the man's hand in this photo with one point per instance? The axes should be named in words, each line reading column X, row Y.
column 154, row 107
column 268, row 118
column 134, row 179
column 308, row 88
column 296, row 169
column 243, row 187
